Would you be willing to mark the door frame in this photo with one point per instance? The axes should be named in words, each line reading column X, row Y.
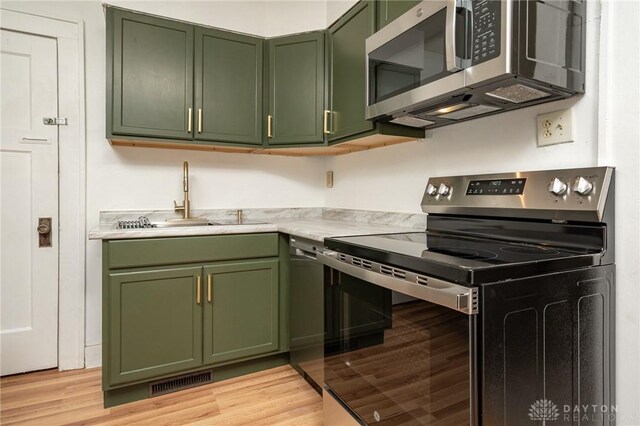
column 69, row 35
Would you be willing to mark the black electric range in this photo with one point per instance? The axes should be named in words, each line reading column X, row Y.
column 500, row 312
column 463, row 259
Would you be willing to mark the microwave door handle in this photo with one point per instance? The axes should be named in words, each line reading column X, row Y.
column 450, row 37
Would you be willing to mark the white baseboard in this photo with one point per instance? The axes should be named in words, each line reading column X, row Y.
column 93, row 356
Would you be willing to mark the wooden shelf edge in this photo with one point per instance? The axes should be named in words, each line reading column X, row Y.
column 187, row 146
column 355, row 145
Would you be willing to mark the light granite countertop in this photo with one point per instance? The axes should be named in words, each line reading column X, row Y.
column 318, row 229
column 313, row 223
column 110, row 232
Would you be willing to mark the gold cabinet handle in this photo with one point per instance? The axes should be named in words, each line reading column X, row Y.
column 199, row 120
column 198, row 290
column 189, row 120
column 269, row 126
column 325, row 126
column 209, row 292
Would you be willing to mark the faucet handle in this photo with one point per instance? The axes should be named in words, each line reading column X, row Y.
column 177, row 207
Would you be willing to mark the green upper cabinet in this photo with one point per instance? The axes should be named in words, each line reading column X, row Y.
column 388, row 10
column 241, row 315
column 170, row 83
column 347, row 83
column 347, row 70
column 155, row 323
column 228, row 87
column 150, row 72
column 296, row 90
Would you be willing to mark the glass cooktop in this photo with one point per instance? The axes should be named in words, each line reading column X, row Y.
column 462, row 259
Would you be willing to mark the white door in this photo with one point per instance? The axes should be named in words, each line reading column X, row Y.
column 28, row 191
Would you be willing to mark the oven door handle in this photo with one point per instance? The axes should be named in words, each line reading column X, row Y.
column 439, row 292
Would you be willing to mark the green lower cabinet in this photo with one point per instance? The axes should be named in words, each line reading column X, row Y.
column 173, row 306
column 155, row 323
column 241, row 315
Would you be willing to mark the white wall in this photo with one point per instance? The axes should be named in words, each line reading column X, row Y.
column 121, row 178
column 335, row 8
column 396, row 176
column 266, row 18
column 619, row 145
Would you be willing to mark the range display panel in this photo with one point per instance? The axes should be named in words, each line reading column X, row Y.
column 496, row 187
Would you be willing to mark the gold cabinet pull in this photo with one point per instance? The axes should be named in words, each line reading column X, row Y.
column 199, row 120
column 198, row 290
column 325, row 126
column 209, row 291
column 189, row 120
column 269, row 126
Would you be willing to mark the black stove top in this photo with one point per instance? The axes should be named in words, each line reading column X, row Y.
column 463, row 259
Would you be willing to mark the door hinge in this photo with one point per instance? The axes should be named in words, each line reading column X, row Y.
column 50, row 121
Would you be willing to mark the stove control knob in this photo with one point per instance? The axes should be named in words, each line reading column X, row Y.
column 432, row 190
column 582, row 186
column 443, row 190
column 557, row 187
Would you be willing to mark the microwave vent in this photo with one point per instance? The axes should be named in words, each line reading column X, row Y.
column 412, row 121
column 518, row 93
column 470, row 112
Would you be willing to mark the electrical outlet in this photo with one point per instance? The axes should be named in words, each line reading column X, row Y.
column 329, row 179
column 554, row 128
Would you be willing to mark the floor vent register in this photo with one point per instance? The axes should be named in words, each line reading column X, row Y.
column 186, row 381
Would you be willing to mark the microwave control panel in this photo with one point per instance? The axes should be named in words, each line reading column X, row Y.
column 486, row 30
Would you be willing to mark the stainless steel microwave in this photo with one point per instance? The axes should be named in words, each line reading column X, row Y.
column 443, row 62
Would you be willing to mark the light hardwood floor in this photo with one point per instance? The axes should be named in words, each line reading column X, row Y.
column 273, row 397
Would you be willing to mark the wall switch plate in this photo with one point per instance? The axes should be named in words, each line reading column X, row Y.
column 554, row 128
column 329, row 179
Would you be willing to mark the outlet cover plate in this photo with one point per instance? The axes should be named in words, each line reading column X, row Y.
column 329, row 179
column 555, row 128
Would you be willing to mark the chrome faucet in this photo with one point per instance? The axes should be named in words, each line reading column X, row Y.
column 185, row 208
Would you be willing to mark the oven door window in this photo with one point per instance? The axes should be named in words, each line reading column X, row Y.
column 412, row 59
column 395, row 360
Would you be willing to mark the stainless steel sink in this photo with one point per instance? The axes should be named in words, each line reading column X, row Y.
column 234, row 222
column 175, row 223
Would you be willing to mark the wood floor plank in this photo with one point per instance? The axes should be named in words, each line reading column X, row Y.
column 273, row 397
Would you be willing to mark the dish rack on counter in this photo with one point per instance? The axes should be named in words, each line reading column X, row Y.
column 142, row 222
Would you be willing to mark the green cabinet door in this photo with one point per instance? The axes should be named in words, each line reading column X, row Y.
column 149, row 75
column 155, row 323
column 388, row 10
column 241, row 310
column 347, row 59
column 296, row 89
column 228, row 87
